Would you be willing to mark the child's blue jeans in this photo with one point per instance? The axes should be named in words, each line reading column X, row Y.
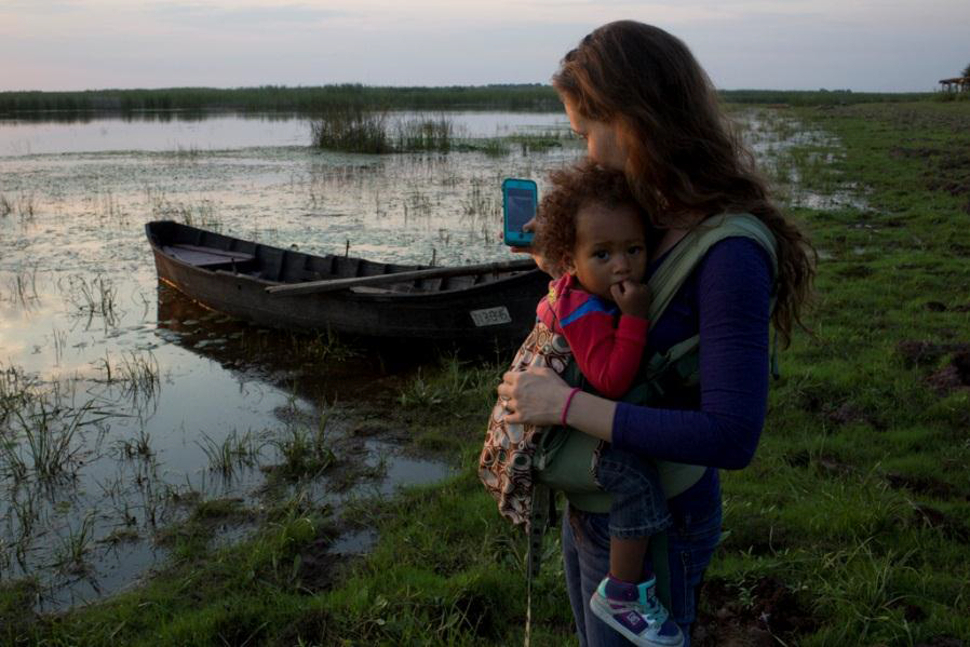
column 639, row 507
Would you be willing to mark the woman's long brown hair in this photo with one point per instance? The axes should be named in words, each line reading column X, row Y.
column 683, row 156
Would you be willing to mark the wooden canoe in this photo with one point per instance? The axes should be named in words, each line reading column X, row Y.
column 284, row 288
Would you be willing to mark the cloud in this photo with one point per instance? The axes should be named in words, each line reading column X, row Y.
column 76, row 44
column 243, row 15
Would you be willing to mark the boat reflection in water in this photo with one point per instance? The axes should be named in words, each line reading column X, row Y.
column 351, row 386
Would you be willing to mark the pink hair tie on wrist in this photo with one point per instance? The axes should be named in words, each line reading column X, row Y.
column 569, row 400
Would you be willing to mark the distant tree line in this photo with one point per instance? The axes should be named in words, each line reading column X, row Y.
column 285, row 99
column 321, row 99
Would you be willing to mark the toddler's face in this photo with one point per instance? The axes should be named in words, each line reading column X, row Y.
column 610, row 248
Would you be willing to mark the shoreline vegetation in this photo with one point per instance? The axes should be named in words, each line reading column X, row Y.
column 361, row 130
column 309, row 100
column 850, row 527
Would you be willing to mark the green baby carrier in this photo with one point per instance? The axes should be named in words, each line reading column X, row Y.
column 564, row 457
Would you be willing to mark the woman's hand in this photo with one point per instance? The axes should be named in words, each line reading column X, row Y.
column 535, row 396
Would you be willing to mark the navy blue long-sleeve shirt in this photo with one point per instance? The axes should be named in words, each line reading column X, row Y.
column 725, row 300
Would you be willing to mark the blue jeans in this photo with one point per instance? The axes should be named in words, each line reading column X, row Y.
column 586, row 555
column 639, row 507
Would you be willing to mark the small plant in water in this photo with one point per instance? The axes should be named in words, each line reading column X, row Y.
column 234, row 450
column 304, row 451
column 70, row 556
column 6, row 208
column 41, row 439
column 94, row 298
column 139, row 447
column 325, row 346
column 481, row 202
column 420, row 392
column 25, row 207
column 24, row 287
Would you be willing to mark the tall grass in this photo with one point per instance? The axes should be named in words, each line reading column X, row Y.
column 352, row 129
column 424, row 134
column 355, row 129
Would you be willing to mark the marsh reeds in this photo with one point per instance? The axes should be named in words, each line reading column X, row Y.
column 71, row 554
column 492, row 147
column 424, row 134
column 481, row 202
column 352, row 129
column 39, row 438
column 110, row 209
column 305, row 451
column 23, row 287
column 138, row 447
column 137, row 374
column 94, row 298
column 323, row 347
column 235, row 450
column 26, row 210
column 202, row 215
column 356, row 129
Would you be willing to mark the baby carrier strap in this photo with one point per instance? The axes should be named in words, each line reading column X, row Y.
column 683, row 258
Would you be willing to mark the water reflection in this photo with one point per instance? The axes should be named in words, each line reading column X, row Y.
column 194, row 131
column 317, row 367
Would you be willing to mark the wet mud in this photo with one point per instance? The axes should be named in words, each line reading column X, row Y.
column 752, row 614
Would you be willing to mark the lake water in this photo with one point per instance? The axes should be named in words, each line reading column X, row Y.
column 178, row 132
column 136, row 388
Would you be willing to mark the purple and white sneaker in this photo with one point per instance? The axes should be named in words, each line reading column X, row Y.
column 635, row 611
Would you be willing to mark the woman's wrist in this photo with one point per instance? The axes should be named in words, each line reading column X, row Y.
column 590, row 414
column 565, row 407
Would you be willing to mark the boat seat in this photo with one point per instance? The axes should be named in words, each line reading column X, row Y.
column 205, row 256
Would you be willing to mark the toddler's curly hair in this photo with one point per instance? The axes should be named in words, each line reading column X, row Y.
column 572, row 188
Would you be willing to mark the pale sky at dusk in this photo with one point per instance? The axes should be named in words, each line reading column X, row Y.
column 878, row 45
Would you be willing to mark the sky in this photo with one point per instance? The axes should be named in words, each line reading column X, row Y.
column 860, row 45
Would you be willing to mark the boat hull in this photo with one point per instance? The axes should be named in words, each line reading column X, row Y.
column 500, row 310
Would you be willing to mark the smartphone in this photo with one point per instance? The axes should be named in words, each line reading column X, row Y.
column 519, row 201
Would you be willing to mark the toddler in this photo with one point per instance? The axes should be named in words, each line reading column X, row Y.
column 591, row 229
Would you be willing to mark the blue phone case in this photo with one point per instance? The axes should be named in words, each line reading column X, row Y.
column 520, row 199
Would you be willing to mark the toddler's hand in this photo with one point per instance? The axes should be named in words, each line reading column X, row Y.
column 633, row 298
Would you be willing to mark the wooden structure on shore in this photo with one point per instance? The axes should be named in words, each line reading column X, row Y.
column 957, row 84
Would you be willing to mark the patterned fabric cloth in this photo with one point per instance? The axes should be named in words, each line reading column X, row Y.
column 572, row 324
column 505, row 465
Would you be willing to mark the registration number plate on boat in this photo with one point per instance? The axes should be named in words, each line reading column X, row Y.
column 491, row 316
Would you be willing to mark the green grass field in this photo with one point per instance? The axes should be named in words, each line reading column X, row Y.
column 851, row 526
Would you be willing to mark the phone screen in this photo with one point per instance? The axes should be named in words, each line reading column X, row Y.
column 521, row 204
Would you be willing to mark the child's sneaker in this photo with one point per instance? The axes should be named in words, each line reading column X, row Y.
column 635, row 611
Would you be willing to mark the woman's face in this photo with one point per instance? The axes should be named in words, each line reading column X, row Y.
column 602, row 139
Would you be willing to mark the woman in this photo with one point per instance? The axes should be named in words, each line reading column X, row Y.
column 646, row 108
